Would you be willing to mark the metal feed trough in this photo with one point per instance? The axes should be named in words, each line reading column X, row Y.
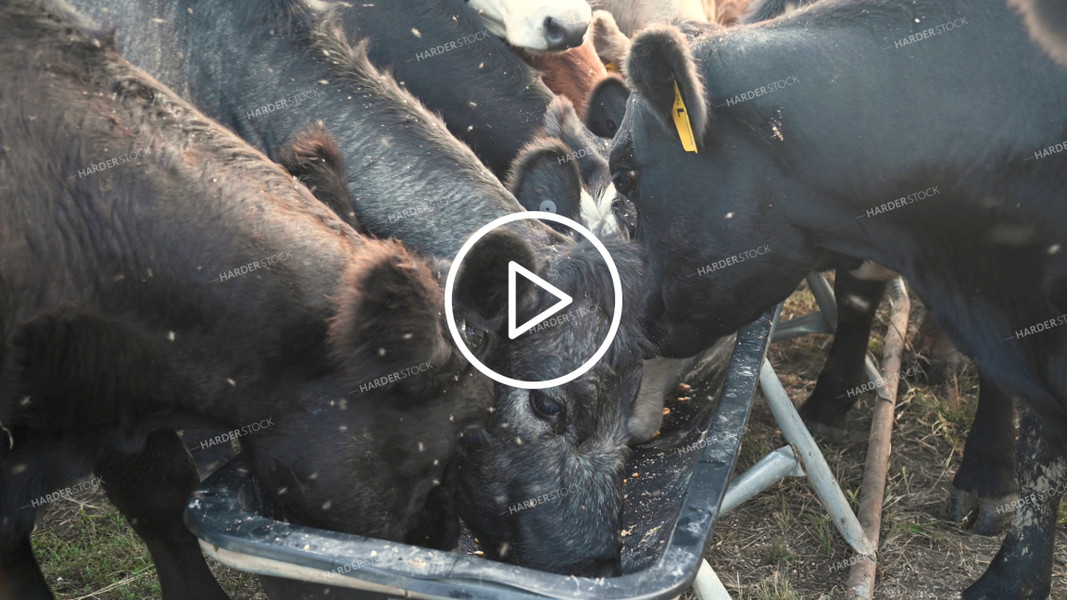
column 671, row 509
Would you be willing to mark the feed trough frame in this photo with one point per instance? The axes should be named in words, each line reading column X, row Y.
column 670, row 511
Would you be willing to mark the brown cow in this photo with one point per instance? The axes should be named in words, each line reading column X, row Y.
column 578, row 74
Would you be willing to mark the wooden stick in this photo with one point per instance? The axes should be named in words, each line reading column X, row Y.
column 861, row 576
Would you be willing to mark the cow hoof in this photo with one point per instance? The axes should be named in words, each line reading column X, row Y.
column 984, row 515
column 961, row 506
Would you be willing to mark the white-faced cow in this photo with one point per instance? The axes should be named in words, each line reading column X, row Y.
column 536, row 25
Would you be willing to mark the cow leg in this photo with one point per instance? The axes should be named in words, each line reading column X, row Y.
column 151, row 488
column 836, row 389
column 1022, row 569
column 20, row 575
column 986, row 481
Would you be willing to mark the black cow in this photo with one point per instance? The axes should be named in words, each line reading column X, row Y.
column 986, row 480
column 813, row 167
column 267, row 70
column 145, row 286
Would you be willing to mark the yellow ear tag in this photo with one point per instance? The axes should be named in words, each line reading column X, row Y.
column 611, row 67
column 681, row 122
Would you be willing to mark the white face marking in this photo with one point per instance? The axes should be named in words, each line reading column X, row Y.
column 596, row 213
column 522, row 22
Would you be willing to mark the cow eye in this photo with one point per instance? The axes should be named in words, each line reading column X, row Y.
column 546, row 407
column 625, row 181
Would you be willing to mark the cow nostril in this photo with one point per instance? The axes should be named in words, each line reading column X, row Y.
column 554, row 32
column 560, row 36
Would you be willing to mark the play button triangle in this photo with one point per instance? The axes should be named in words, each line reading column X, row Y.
column 514, row 269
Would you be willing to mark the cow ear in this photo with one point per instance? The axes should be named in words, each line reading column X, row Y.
column 607, row 105
column 545, row 177
column 610, row 42
column 314, row 158
column 388, row 315
column 659, row 59
column 482, row 282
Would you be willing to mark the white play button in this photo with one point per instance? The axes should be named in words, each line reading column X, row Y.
column 514, row 269
column 564, row 300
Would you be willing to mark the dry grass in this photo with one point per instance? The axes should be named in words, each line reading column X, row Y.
column 781, row 545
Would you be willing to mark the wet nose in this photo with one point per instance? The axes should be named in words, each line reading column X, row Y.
column 560, row 36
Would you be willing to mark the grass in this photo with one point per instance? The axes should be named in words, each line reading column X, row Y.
column 921, row 555
column 105, row 552
column 87, row 550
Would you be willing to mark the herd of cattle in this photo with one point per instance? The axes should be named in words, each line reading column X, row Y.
column 216, row 213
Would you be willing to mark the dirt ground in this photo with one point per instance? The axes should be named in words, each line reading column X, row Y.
column 778, row 546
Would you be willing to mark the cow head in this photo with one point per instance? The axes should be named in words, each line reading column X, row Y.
column 365, row 448
column 709, row 220
column 542, row 485
column 540, row 25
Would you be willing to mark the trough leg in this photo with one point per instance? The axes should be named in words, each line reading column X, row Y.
column 20, row 576
column 1022, row 568
column 986, row 480
column 151, row 488
column 836, row 389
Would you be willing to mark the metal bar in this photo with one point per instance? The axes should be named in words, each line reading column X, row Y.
column 822, row 480
column 800, row 326
column 824, row 297
column 771, row 469
column 707, row 585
